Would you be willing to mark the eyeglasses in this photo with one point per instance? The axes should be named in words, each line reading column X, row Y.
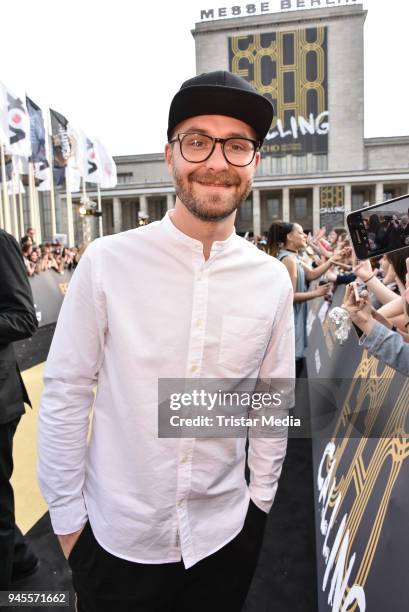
column 197, row 148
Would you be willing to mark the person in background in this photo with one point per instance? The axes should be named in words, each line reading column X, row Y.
column 385, row 344
column 27, row 250
column 391, row 308
column 17, row 321
column 286, row 241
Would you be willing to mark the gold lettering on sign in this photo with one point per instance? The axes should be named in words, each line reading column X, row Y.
column 358, row 471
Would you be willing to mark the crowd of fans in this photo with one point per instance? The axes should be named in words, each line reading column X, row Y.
column 47, row 256
column 329, row 258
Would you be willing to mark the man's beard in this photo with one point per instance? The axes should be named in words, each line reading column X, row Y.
column 215, row 206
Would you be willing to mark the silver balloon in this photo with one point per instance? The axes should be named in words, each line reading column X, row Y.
column 340, row 323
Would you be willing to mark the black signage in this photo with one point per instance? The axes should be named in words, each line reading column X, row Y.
column 290, row 69
column 360, row 481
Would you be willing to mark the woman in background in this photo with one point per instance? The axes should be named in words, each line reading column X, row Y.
column 285, row 241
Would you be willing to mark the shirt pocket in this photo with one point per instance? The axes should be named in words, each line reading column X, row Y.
column 242, row 343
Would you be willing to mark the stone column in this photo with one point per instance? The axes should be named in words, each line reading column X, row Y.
column 117, row 214
column 286, row 204
column 315, row 208
column 170, row 201
column 347, row 198
column 143, row 204
column 378, row 193
column 256, row 213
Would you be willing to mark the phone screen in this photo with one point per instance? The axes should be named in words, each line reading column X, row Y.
column 381, row 228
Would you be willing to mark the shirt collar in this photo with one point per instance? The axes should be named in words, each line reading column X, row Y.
column 183, row 238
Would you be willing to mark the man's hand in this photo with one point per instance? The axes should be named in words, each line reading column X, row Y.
column 68, row 541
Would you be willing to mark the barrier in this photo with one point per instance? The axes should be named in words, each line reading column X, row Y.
column 361, row 493
column 48, row 290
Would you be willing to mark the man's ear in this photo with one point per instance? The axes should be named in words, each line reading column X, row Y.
column 168, row 156
column 257, row 158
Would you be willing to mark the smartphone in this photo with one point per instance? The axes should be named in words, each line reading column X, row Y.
column 381, row 228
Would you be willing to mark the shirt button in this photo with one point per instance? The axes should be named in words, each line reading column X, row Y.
column 194, row 368
column 180, row 502
column 199, row 323
column 185, row 459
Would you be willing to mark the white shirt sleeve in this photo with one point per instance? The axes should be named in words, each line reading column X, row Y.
column 71, row 373
column 266, row 455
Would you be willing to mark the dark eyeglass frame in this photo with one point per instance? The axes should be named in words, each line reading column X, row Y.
column 179, row 138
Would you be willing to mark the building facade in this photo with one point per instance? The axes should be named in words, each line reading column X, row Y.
column 312, row 183
column 316, row 164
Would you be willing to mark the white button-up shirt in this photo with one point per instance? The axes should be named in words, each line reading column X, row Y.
column 143, row 305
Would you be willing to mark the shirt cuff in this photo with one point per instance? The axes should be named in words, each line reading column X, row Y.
column 69, row 518
column 378, row 334
column 257, row 494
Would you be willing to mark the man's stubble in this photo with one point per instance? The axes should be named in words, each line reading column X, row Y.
column 212, row 207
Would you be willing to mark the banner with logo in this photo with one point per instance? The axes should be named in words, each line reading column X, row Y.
column 290, row 69
column 360, row 481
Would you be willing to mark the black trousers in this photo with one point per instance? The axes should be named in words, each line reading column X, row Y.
column 218, row 583
column 14, row 551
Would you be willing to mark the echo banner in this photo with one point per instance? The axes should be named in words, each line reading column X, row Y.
column 290, row 69
column 360, row 482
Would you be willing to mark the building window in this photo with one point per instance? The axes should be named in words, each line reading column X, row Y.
column 321, row 163
column 278, row 165
column 246, row 211
column 300, row 163
column 273, row 208
column 357, row 200
column 125, row 177
column 300, row 207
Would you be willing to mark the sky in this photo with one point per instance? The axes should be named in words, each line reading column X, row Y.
column 112, row 67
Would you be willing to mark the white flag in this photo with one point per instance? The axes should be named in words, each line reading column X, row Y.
column 18, row 127
column 93, row 162
column 4, row 124
column 108, row 166
column 15, row 186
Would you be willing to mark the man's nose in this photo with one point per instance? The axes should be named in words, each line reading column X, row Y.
column 217, row 161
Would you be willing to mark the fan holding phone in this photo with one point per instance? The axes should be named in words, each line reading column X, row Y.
column 381, row 339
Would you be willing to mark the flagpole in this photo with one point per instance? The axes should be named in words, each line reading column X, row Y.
column 32, row 206
column 70, row 220
column 48, row 132
column 39, row 233
column 20, row 207
column 7, row 223
column 14, row 205
column 52, row 197
column 101, row 227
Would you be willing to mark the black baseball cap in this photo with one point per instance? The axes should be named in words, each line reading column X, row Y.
column 221, row 93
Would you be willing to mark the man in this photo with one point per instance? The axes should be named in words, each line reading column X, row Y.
column 149, row 523
column 17, row 321
column 29, row 236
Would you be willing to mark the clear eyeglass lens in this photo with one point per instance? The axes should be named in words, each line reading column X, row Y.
column 196, row 147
